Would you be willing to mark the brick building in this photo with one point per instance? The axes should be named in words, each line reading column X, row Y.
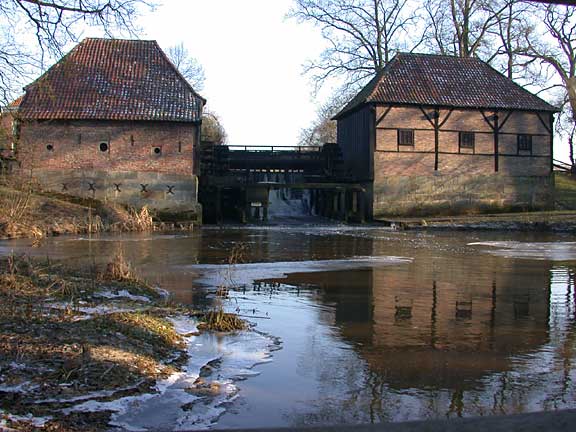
column 443, row 135
column 114, row 120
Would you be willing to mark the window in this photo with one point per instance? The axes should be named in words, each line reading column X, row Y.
column 103, row 147
column 524, row 143
column 466, row 140
column 406, row 137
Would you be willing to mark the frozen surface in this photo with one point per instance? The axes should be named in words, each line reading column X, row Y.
column 23, row 388
column 34, row 421
column 196, row 397
column 122, row 294
column 552, row 251
column 245, row 274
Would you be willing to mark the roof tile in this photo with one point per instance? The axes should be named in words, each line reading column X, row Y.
column 112, row 79
column 434, row 80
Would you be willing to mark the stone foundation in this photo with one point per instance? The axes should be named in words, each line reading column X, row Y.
column 464, row 194
column 174, row 193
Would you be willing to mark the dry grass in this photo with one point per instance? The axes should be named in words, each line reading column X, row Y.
column 119, row 269
column 218, row 320
column 140, row 220
column 26, row 213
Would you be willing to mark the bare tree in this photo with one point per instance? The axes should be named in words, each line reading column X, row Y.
column 33, row 32
column 463, row 28
column 514, row 18
column 362, row 35
column 212, row 130
column 550, row 47
column 189, row 67
column 323, row 128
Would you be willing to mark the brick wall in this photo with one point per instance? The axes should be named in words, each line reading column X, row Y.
column 136, row 163
column 130, row 146
column 410, row 180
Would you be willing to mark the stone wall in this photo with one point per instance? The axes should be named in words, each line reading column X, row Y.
column 420, row 179
column 160, row 191
column 135, row 163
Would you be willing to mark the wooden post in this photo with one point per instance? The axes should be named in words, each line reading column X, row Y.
column 342, row 199
column 335, row 205
column 244, row 207
column 218, row 205
column 496, row 143
column 436, row 138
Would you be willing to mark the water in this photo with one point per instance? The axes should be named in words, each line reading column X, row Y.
column 375, row 325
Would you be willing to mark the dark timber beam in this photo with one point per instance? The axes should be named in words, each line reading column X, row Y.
column 493, row 122
column 548, row 127
column 434, row 120
column 384, row 114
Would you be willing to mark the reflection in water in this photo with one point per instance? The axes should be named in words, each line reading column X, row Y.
column 436, row 344
column 378, row 325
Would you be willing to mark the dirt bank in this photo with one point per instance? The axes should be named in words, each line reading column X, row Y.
column 556, row 221
column 24, row 213
column 87, row 335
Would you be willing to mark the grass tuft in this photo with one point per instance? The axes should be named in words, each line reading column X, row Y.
column 218, row 320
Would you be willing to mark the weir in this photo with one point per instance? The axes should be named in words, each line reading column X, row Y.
column 256, row 184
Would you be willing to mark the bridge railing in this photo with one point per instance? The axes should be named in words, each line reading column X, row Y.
column 562, row 166
column 274, row 149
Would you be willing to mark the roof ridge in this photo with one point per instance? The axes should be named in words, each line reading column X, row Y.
column 114, row 39
column 421, row 54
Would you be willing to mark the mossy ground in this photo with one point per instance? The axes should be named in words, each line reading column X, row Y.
column 565, row 193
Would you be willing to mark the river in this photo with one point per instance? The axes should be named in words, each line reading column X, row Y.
column 370, row 324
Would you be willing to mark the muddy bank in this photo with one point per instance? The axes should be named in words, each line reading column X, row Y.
column 557, row 221
column 33, row 214
column 81, row 349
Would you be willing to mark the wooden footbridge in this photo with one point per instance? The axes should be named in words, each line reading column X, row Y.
column 235, row 181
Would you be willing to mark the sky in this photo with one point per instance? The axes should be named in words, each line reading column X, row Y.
column 252, row 57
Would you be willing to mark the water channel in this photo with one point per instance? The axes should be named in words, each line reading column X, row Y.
column 374, row 325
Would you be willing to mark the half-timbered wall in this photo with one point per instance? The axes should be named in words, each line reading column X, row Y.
column 439, row 174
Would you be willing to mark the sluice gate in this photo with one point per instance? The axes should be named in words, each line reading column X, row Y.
column 250, row 184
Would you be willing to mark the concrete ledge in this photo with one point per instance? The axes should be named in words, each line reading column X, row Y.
column 559, row 421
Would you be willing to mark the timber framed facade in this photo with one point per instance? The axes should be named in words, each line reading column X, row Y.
column 442, row 135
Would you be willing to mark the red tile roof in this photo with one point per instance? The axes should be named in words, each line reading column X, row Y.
column 16, row 102
column 112, row 79
column 434, row 80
